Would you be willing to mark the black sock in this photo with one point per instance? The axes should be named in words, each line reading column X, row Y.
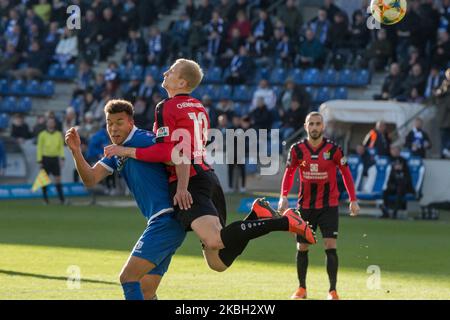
column 44, row 193
column 302, row 267
column 236, row 236
column 332, row 267
column 60, row 192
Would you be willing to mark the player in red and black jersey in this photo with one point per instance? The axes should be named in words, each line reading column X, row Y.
column 317, row 160
column 181, row 129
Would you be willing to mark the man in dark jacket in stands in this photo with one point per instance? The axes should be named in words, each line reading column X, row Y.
column 418, row 140
column 399, row 184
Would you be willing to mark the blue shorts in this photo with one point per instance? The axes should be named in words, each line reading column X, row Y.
column 160, row 240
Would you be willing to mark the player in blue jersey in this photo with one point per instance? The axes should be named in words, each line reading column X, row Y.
column 148, row 182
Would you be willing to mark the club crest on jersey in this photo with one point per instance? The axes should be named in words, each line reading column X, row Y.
column 162, row 132
column 326, row 156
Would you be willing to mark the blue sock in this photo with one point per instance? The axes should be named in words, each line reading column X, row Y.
column 132, row 291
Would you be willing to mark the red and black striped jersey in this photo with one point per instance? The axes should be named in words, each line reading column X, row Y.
column 182, row 120
column 317, row 171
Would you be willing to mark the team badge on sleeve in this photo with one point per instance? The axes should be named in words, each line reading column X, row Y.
column 162, row 132
column 326, row 156
column 343, row 161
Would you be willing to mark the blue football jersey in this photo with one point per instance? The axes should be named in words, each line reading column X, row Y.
column 148, row 182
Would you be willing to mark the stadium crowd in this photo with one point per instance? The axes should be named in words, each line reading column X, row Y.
column 239, row 36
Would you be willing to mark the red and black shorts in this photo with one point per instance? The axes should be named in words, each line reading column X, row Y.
column 327, row 219
column 208, row 198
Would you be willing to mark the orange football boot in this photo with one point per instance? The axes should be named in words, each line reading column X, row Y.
column 263, row 210
column 299, row 294
column 299, row 226
column 332, row 295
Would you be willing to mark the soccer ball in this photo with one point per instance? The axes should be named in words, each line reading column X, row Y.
column 388, row 11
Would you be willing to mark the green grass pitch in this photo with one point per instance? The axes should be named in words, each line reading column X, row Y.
column 38, row 244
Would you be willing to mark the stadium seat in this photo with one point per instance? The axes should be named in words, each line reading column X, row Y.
column 341, row 93
column 4, row 121
column 242, row 93
column 225, row 92
column 47, row 88
column 33, row 88
column 323, row 94
column 312, row 93
column 213, row 75
column 377, row 178
column 24, row 105
column 277, row 76
column 362, row 77
column 138, row 72
column 154, row 72
column 261, row 73
column 417, row 171
column 76, row 104
column 9, row 104
column 329, row 77
column 70, row 72
column 356, row 168
column 54, row 71
column 212, row 91
column 17, row 88
column 124, row 73
column 311, row 77
column 297, row 75
column 4, row 87
column 198, row 92
column 345, row 78
column 241, row 109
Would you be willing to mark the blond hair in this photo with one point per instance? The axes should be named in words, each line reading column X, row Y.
column 191, row 72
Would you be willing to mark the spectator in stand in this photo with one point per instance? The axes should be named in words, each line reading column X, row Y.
column 320, row 26
column 292, row 91
column 366, row 158
column 8, row 60
column 414, row 96
column 179, row 34
column 331, row 9
column 292, row 119
column 147, row 14
column 70, row 119
column 408, row 33
column 88, row 102
column 378, row 139
column 429, row 23
column 39, row 126
column 262, row 28
column 141, row 116
column 88, row 126
column 441, row 52
column 148, row 88
column 211, row 110
column 129, row 17
column 99, row 86
column 196, row 39
column 20, row 130
column 241, row 68
column 261, row 117
column 238, row 162
column 433, row 81
column 339, row 40
column 239, row 5
column 224, row 7
column 392, row 85
column 51, row 39
column 242, row 24
column 32, row 19
column 214, row 49
column 190, row 9
column 291, row 16
column 204, row 12
column 258, row 51
column 43, row 10
column 359, row 35
column 3, row 159
column 36, row 60
column 67, row 49
column 132, row 90
column 266, row 93
column 412, row 59
column 399, row 184
column 379, row 52
column 107, row 33
column 88, row 37
column 283, row 49
column 415, row 79
column 417, row 140
column 135, row 52
column 156, row 47
column 225, row 107
column 311, row 51
column 442, row 98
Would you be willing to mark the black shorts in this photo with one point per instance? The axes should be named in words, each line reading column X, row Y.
column 208, row 198
column 51, row 165
column 327, row 219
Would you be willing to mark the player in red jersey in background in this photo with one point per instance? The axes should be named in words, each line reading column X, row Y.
column 317, row 159
column 181, row 129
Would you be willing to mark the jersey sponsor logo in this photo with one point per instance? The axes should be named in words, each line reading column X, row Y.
column 326, row 156
column 314, row 167
column 189, row 105
column 162, row 132
column 343, row 161
column 303, row 164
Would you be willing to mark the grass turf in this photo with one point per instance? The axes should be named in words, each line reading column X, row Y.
column 40, row 245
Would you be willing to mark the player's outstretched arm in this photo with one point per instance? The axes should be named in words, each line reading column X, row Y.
column 159, row 152
column 89, row 175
